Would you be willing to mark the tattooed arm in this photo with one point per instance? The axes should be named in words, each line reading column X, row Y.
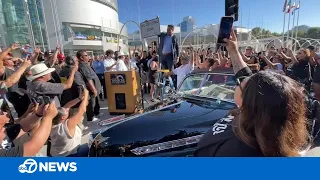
column 235, row 56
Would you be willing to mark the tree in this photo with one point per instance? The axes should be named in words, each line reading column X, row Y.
column 275, row 34
column 301, row 34
column 256, row 32
column 313, row 33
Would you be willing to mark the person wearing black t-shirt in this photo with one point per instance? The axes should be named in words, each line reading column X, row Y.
column 78, row 82
column 143, row 70
column 38, row 139
column 270, row 120
column 316, row 75
column 302, row 65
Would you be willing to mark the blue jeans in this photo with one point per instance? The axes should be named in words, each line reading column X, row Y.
column 167, row 61
column 83, row 151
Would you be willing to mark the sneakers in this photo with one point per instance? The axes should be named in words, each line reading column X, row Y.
column 95, row 119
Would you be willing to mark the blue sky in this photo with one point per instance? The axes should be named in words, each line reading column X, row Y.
column 263, row 13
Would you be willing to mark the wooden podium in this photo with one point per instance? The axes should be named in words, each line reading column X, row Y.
column 123, row 92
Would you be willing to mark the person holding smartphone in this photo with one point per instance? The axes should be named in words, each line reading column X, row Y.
column 66, row 134
column 270, row 120
column 38, row 139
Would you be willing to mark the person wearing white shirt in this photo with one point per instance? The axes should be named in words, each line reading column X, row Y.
column 133, row 62
column 121, row 66
column 109, row 63
column 182, row 71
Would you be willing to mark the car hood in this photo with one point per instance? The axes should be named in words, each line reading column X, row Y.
column 176, row 120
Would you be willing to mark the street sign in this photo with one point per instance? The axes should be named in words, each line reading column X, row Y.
column 150, row 28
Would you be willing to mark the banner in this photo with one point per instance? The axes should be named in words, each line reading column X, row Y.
column 79, row 36
column 158, row 168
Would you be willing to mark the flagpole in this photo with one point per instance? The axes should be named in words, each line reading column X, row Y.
column 288, row 26
column 297, row 29
column 294, row 17
column 284, row 26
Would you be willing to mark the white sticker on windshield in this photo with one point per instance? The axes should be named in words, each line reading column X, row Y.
column 221, row 96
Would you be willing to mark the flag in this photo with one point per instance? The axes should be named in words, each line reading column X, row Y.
column 291, row 6
column 285, row 6
column 298, row 6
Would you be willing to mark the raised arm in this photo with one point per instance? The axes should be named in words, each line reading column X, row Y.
column 54, row 58
column 271, row 64
column 14, row 78
column 4, row 53
column 291, row 56
column 235, row 56
column 243, row 56
column 34, row 58
column 33, row 146
column 74, row 102
column 75, row 119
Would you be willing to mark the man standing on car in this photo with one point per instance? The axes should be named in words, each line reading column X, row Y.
column 168, row 48
column 92, row 82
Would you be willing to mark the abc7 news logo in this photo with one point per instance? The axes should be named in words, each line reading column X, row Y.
column 29, row 166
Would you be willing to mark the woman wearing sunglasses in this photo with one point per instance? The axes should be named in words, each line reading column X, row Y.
column 270, row 120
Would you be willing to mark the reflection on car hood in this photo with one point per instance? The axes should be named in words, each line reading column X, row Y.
column 177, row 120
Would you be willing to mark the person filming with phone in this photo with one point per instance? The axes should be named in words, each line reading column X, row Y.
column 270, row 119
column 66, row 134
column 38, row 138
column 39, row 85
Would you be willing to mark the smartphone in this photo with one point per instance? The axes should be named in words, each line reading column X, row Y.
column 34, row 101
column 40, row 100
column 225, row 29
column 46, row 100
column 17, row 53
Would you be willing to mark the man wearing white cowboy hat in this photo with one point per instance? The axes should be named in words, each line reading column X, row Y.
column 39, row 85
column 121, row 66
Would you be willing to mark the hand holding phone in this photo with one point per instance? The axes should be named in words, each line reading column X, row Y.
column 46, row 100
column 40, row 100
column 225, row 29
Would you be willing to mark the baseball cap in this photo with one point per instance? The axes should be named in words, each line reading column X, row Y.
column 48, row 53
column 60, row 57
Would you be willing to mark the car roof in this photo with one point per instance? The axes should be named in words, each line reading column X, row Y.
column 223, row 70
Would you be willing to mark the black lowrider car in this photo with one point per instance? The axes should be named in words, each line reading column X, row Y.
column 174, row 126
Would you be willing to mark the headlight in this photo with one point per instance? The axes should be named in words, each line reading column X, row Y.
column 166, row 145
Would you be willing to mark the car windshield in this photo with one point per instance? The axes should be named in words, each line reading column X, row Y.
column 210, row 85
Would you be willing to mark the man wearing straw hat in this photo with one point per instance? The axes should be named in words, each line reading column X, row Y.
column 39, row 85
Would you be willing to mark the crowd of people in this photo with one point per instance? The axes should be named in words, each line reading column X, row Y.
column 53, row 94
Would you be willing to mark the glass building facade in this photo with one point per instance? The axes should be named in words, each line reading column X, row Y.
column 22, row 22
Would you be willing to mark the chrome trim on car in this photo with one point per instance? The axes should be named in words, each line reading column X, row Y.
column 166, row 145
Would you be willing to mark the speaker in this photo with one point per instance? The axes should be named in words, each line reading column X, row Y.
column 123, row 92
column 120, row 101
